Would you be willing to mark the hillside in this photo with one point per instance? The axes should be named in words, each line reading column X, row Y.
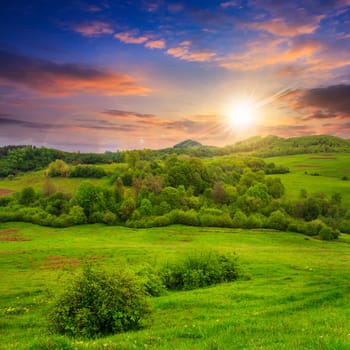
column 15, row 159
column 188, row 144
column 270, row 146
column 296, row 298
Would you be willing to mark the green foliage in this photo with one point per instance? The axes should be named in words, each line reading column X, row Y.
column 239, row 219
column 127, row 208
column 327, row 233
column 27, row 196
column 77, row 214
column 155, row 188
column 87, row 171
column 97, row 303
column 145, row 207
column 58, row 168
column 152, row 280
column 201, row 269
column 91, row 199
column 278, row 220
column 109, row 218
column 189, row 217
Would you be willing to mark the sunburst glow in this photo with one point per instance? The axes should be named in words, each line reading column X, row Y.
column 242, row 114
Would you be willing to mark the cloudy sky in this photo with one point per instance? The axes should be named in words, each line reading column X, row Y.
column 107, row 75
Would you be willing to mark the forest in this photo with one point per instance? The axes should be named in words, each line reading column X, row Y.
column 149, row 188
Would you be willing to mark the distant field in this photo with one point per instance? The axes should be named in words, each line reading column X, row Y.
column 298, row 296
column 36, row 180
column 331, row 168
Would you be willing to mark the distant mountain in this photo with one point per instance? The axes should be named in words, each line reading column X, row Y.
column 188, row 144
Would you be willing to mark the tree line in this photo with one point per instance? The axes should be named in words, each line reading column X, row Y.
column 224, row 192
column 17, row 159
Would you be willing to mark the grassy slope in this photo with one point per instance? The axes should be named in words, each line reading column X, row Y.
column 36, row 180
column 298, row 297
column 331, row 171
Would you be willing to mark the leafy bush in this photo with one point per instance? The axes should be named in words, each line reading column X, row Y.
column 278, row 220
column 109, row 218
column 152, row 280
column 345, row 226
column 201, row 269
column 314, row 227
column 189, row 217
column 97, row 303
column 327, row 233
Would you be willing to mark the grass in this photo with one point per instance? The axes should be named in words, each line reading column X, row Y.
column 298, row 296
column 330, row 167
column 36, row 179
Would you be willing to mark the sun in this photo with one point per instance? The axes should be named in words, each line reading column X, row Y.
column 242, row 114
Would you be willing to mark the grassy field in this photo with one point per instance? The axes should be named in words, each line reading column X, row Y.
column 330, row 167
column 36, row 179
column 298, row 296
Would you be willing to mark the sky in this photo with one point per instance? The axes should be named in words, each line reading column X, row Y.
column 102, row 75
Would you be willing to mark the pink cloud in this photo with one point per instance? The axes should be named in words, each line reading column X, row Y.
column 183, row 53
column 53, row 78
column 156, row 44
column 93, row 29
column 227, row 4
column 281, row 27
column 131, row 38
column 287, row 56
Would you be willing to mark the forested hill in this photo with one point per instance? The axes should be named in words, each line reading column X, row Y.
column 187, row 144
column 15, row 159
column 270, row 146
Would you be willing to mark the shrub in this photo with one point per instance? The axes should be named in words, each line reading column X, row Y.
column 97, row 303
column 27, row 196
column 78, row 215
column 109, row 218
column 152, row 280
column 278, row 220
column 314, row 227
column 256, row 221
column 201, row 269
column 58, row 168
column 327, row 233
column 239, row 219
column 344, row 226
column 189, row 217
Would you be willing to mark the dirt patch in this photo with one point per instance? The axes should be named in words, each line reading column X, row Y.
column 307, row 166
column 4, row 191
column 58, row 262
column 323, row 158
column 13, row 238
column 8, row 231
column 11, row 234
column 185, row 240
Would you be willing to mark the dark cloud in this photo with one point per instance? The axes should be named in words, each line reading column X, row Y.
column 18, row 122
column 320, row 115
column 98, row 125
column 333, row 99
column 126, row 114
column 63, row 78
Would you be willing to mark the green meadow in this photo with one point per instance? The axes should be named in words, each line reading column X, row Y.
column 333, row 174
column 297, row 295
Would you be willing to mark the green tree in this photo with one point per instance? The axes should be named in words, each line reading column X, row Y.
column 77, row 214
column 127, row 208
column 27, row 196
column 90, row 198
column 145, row 207
column 58, row 168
